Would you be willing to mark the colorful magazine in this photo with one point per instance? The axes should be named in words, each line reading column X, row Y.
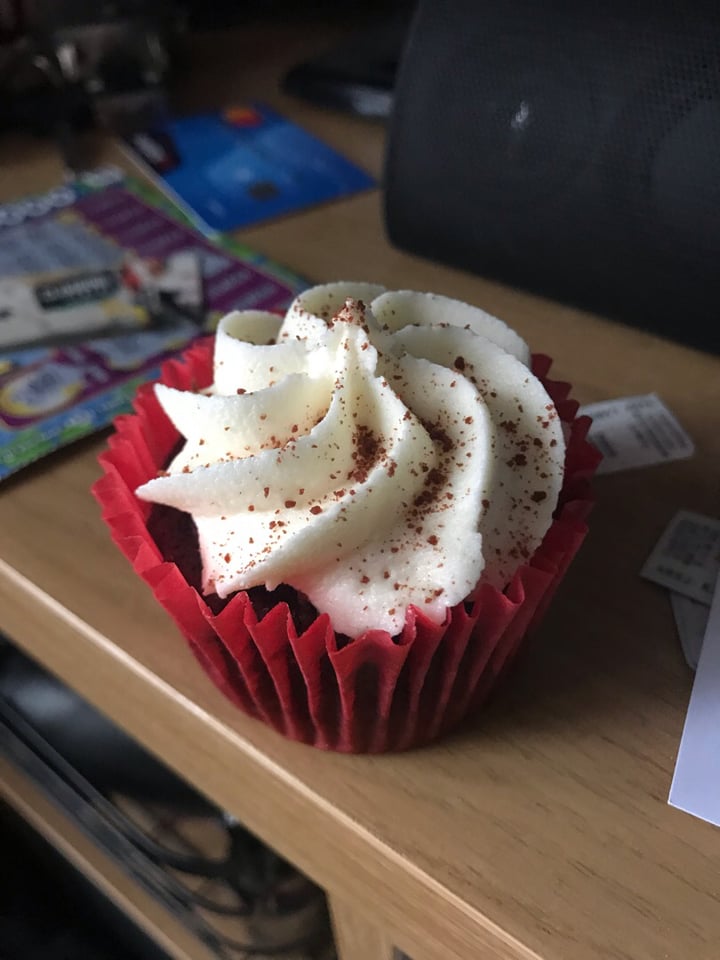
column 53, row 395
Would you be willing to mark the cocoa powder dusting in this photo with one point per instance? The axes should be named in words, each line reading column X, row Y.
column 438, row 435
column 434, row 481
column 367, row 452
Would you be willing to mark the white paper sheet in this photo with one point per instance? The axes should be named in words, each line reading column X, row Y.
column 696, row 783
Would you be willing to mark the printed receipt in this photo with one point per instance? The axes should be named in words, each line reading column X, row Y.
column 636, row 432
column 686, row 558
column 696, row 783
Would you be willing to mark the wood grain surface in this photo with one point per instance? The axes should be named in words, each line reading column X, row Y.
column 541, row 829
column 356, row 938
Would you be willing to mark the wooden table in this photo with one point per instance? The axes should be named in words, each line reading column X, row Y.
column 540, row 830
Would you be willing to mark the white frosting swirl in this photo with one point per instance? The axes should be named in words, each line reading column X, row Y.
column 372, row 457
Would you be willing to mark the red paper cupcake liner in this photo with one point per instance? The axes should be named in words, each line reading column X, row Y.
column 372, row 694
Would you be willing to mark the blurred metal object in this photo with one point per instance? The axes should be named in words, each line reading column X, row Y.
column 66, row 65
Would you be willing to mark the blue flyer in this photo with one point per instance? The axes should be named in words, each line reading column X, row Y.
column 242, row 165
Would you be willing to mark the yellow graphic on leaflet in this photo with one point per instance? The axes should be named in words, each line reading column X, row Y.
column 41, row 390
column 121, row 310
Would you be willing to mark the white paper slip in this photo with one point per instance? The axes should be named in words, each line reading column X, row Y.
column 696, row 783
column 691, row 620
column 687, row 556
column 636, row 432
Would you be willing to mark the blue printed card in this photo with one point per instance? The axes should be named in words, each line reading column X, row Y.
column 243, row 165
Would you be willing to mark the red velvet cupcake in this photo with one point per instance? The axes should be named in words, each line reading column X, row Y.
column 354, row 514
